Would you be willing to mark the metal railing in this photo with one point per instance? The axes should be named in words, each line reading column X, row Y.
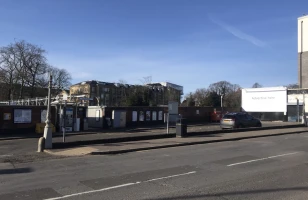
column 38, row 101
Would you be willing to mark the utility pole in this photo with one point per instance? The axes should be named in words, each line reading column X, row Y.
column 48, row 128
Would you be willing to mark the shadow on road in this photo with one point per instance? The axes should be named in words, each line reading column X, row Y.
column 237, row 193
column 16, row 171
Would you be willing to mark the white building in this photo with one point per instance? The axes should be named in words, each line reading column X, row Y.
column 274, row 103
column 303, row 51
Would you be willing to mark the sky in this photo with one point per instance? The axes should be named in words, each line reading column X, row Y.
column 192, row 43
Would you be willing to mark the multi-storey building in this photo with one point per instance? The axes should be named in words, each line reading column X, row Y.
column 117, row 94
column 303, row 51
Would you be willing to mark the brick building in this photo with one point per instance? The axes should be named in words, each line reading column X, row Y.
column 116, row 94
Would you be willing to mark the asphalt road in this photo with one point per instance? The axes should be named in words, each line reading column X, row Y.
column 262, row 168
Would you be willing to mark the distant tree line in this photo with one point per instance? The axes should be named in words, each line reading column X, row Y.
column 24, row 70
column 211, row 96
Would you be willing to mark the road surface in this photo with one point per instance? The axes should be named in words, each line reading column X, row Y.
column 262, row 168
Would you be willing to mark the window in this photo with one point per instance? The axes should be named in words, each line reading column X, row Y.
column 248, row 117
column 106, row 99
column 22, row 116
column 154, row 116
column 160, row 115
column 229, row 117
column 134, row 116
column 93, row 89
column 148, row 115
column 141, row 116
column 97, row 115
column 104, row 89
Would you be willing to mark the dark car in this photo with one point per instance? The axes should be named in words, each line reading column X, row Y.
column 239, row 120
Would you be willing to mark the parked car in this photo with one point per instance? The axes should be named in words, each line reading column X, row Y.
column 239, row 120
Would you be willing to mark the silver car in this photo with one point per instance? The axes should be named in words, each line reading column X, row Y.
column 239, row 120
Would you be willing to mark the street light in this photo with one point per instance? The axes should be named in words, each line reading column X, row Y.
column 222, row 108
column 48, row 128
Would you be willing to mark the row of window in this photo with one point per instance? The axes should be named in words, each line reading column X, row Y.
column 146, row 116
column 102, row 89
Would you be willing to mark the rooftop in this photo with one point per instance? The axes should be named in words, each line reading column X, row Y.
column 305, row 16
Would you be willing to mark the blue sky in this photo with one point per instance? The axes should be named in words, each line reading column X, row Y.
column 188, row 42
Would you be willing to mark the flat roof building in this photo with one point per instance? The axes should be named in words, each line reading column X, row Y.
column 303, row 51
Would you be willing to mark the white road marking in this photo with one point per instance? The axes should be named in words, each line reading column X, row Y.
column 249, row 161
column 155, row 179
column 118, row 186
column 93, row 191
column 5, row 155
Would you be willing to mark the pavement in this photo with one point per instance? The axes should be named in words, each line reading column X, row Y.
column 96, row 134
column 125, row 147
column 258, row 169
column 24, row 150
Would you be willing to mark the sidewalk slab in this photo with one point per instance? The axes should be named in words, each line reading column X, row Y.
column 195, row 128
column 127, row 137
column 125, row 147
column 105, row 139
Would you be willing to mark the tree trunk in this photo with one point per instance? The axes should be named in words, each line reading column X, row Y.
column 21, row 90
column 10, row 87
column 32, row 87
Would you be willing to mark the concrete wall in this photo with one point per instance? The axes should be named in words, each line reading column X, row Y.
column 303, row 69
column 303, row 34
column 303, row 52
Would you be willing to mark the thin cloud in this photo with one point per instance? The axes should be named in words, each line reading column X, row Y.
column 239, row 34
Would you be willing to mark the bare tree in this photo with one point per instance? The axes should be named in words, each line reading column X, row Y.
column 8, row 63
column 200, row 97
column 34, row 62
column 61, row 78
column 122, row 82
column 189, row 100
column 24, row 65
column 211, row 96
column 221, row 87
column 146, row 80
column 292, row 86
column 256, row 85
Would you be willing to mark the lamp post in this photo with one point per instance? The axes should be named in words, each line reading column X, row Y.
column 297, row 108
column 48, row 128
column 222, row 108
column 304, row 110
